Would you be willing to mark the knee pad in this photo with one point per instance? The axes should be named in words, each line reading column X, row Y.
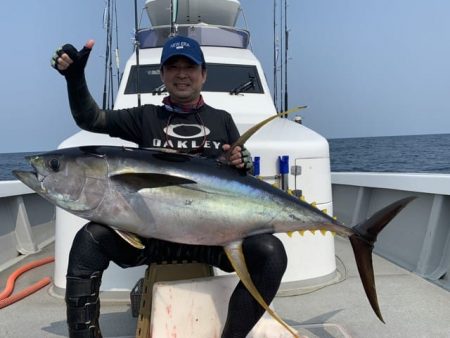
column 87, row 255
column 265, row 248
column 98, row 232
column 110, row 246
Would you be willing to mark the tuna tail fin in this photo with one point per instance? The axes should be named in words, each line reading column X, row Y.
column 362, row 242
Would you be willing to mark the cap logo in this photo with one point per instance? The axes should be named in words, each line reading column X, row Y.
column 180, row 45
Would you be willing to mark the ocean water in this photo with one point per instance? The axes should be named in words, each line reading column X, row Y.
column 418, row 153
column 12, row 161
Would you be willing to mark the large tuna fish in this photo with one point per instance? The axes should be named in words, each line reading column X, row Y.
column 189, row 199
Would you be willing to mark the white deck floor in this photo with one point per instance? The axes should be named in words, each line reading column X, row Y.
column 411, row 306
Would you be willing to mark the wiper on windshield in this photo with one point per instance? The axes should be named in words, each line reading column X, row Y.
column 159, row 90
column 244, row 87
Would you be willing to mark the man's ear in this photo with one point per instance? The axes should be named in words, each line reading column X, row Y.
column 204, row 74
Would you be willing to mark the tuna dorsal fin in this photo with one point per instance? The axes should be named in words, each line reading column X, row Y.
column 138, row 181
column 237, row 260
column 249, row 133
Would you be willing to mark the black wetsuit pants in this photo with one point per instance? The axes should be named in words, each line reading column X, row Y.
column 96, row 245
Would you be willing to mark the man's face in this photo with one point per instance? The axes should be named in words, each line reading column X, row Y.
column 183, row 79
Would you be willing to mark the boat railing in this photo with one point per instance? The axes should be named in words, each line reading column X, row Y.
column 419, row 237
column 26, row 222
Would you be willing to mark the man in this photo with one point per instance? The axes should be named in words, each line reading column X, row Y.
column 183, row 72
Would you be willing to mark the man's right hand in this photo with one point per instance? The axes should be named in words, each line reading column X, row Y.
column 70, row 62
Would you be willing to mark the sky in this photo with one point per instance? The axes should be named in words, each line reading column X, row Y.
column 364, row 68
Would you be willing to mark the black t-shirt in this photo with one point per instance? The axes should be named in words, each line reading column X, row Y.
column 155, row 127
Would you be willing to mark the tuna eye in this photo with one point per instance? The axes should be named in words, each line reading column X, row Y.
column 54, row 164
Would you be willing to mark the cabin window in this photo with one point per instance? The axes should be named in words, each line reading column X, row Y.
column 221, row 78
column 149, row 79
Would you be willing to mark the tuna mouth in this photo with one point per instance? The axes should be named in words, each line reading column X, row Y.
column 31, row 178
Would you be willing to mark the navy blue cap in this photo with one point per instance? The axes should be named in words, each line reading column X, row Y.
column 182, row 46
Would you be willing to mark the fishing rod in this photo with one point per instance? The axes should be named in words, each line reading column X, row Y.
column 110, row 20
column 173, row 17
column 281, row 58
column 286, row 47
column 275, row 58
column 117, row 46
column 136, row 47
column 107, row 51
column 110, row 64
column 172, row 26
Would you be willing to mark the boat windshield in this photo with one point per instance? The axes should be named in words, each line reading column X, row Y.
column 221, row 78
column 204, row 35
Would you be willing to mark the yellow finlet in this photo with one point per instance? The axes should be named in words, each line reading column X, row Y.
column 289, row 233
column 323, row 232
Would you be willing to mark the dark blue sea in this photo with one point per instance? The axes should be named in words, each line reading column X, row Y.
column 11, row 161
column 418, row 153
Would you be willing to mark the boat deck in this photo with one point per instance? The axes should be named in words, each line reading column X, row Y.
column 411, row 306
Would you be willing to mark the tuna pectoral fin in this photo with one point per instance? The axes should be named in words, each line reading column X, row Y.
column 130, row 238
column 237, row 260
column 362, row 242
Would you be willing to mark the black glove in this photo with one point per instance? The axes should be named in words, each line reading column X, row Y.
column 246, row 159
column 79, row 58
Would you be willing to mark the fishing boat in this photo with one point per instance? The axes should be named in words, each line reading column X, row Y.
column 320, row 291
